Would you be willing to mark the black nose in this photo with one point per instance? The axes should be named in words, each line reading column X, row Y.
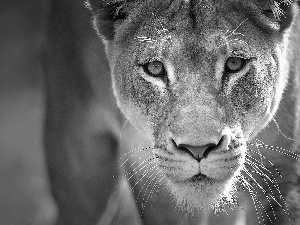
column 201, row 151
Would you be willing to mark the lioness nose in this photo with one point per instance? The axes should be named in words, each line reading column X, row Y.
column 199, row 152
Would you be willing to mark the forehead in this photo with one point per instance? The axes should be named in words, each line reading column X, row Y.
column 195, row 22
column 204, row 25
column 198, row 12
column 202, row 12
column 183, row 16
column 202, row 17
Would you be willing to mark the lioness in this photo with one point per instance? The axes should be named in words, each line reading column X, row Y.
column 200, row 79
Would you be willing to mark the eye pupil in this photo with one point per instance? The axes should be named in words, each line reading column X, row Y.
column 234, row 64
column 155, row 68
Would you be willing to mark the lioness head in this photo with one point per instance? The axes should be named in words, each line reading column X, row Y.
column 200, row 77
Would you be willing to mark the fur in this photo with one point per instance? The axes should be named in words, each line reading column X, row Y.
column 199, row 104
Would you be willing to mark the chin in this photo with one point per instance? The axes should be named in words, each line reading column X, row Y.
column 202, row 193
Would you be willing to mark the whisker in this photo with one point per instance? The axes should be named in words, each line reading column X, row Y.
column 271, row 193
column 148, row 170
column 144, row 174
column 272, row 179
column 276, row 149
column 148, row 182
column 265, row 158
column 262, row 175
column 137, row 150
column 258, row 170
column 165, row 31
column 121, row 132
column 247, row 188
column 277, row 125
column 233, row 32
column 155, row 185
column 137, row 158
column 267, row 194
column 236, row 41
column 147, row 40
column 258, row 163
column 137, row 169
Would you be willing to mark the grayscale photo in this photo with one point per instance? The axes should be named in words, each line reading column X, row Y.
column 150, row 112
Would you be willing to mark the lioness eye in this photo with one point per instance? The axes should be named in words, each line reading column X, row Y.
column 234, row 64
column 155, row 69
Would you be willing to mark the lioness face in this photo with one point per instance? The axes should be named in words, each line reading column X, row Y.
column 200, row 78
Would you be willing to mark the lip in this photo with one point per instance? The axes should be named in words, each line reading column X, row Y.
column 198, row 178
column 195, row 180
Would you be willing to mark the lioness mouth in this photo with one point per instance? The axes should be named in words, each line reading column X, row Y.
column 198, row 177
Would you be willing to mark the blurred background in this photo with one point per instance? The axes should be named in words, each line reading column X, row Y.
column 25, row 197
column 24, row 193
column 24, row 189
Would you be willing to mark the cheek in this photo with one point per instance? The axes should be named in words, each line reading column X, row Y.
column 252, row 91
column 137, row 119
column 252, row 96
column 141, row 102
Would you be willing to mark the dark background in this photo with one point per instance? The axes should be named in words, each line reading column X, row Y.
column 24, row 190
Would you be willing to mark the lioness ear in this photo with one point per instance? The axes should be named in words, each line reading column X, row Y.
column 106, row 13
column 282, row 11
